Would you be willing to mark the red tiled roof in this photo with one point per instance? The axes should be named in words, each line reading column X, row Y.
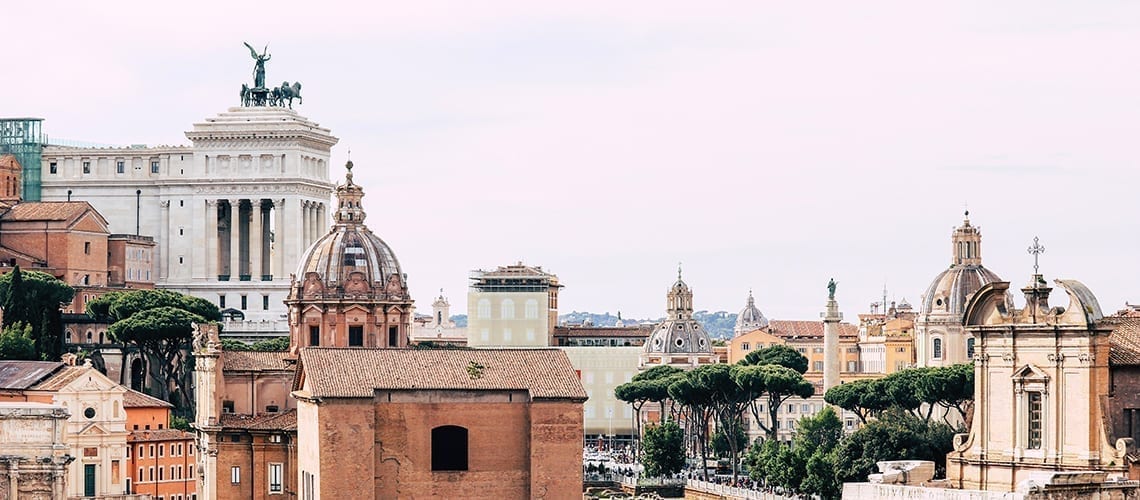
column 158, row 435
column 641, row 331
column 61, row 378
column 794, row 328
column 47, row 210
column 136, row 399
column 1124, row 342
column 19, row 375
column 285, row 421
column 248, row 361
column 358, row 373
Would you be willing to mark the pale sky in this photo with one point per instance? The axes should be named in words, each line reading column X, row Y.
column 766, row 145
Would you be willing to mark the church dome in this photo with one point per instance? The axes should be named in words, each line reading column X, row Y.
column 680, row 333
column 750, row 318
column 950, row 290
column 350, row 255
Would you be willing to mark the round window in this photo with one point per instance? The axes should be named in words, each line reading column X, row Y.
column 680, row 342
column 89, row 413
column 657, row 342
column 938, row 302
column 703, row 342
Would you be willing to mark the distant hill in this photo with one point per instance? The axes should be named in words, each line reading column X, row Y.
column 460, row 320
column 719, row 324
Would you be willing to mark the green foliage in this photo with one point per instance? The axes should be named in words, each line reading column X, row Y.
column 34, row 298
column 864, row 397
column 658, row 372
column 16, row 342
column 776, row 382
column 819, row 475
column 235, row 345
column 722, row 447
column 896, row 435
column 123, row 305
column 821, row 431
column 180, row 423
column 152, row 326
column 275, row 344
column 777, row 355
column 664, row 449
column 950, row 387
column 806, row 465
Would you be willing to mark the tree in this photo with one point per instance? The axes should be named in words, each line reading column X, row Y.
column 720, row 442
column 777, row 355
column 814, row 444
column 16, row 342
column 34, row 298
column 950, row 387
column 777, row 383
column 159, row 323
column 275, row 344
column 864, row 398
column 728, row 401
column 664, row 449
column 235, row 345
column 897, row 435
column 697, row 401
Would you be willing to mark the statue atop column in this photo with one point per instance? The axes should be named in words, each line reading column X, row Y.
column 831, row 284
column 259, row 94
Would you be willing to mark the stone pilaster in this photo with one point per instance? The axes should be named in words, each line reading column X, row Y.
column 235, row 239
column 256, row 268
column 212, row 257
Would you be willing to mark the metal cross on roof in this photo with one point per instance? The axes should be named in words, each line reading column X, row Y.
column 1036, row 250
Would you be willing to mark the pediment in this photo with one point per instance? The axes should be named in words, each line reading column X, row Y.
column 1029, row 372
column 93, row 429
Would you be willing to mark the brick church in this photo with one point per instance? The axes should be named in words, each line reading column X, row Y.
column 350, row 411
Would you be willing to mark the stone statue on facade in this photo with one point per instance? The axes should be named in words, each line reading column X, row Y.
column 831, row 284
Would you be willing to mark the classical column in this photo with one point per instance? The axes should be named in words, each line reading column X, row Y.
column 212, row 253
column 235, row 240
column 312, row 222
column 304, row 236
column 255, row 239
column 278, row 265
column 164, row 238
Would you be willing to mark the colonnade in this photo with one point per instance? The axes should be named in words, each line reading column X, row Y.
column 241, row 232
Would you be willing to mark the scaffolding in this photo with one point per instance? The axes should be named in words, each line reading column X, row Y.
column 23, row 138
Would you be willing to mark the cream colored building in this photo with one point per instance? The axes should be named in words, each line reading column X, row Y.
column 602, row 369
column 512, row 306
column 231, row 214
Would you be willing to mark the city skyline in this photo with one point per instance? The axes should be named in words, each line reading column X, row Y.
column 765, row 147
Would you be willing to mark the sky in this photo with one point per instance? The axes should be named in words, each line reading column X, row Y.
column 764, row 145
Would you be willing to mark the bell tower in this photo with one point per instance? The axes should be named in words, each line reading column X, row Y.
column 967, row 241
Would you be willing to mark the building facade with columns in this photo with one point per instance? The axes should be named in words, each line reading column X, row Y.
column 231, row 214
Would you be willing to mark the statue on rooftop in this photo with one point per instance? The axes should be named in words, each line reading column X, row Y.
column 258, row 65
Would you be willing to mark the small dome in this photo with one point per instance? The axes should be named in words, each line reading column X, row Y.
column 750, row 318
column 679, row 337
column 951, row 289
column 349, row 255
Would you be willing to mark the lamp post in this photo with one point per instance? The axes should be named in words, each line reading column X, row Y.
column 138, row 209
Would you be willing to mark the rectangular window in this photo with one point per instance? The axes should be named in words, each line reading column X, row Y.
column 87, row 167
column 356, row 336
column 227, row 406
column 120, row 167
column 160, row 473
column 87, row 247
column 485, row 335
column 1034, row 420
column 53, row 167
column 393, row 336
column 221, row 302
column 506, row 334
column 817, row 366
column 235, row 475
column 744, row 346
column 243, row 302
column 161, row 449
column 314, row 335
column 530, row 334
column 817, row 350
column 264, row 302
column 275, row 478
column 154, row 167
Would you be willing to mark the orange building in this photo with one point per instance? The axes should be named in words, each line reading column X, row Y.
column 160, row 459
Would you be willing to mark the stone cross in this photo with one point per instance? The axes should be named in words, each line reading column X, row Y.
column 1036, row 250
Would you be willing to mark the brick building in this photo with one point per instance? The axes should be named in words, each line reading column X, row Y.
column 433, row 423
column 160, row 460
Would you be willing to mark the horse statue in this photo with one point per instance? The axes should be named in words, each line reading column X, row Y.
column 288, row 93
column 245, row 95
column 275, row 97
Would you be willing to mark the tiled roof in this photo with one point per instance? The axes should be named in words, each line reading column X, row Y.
column 247, row 361
column 786, row 328
column 47, row 210
column 285, row 421
column 1124, row 342
column 158, row 435
column 19, row 375
column 61, row 378
column 136, row 399
column 353, row 373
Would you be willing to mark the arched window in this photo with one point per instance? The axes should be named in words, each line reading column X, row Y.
column 484, row 308
column 531, row 309
column 89, row 334
column 507, row 309
column 448, row 448
column 970, row 348
column 937, row 349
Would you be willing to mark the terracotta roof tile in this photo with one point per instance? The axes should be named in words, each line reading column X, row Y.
column 61, row 378
column 1124, row 342
column 19, row 375
column 641, row 331
column 794, row 328
column 158, row 435
column 352, row 373
column 136, row 399
column 247, row 361
column 47, row 210
column 285, row 421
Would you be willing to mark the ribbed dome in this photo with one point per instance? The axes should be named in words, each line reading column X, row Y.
column 951, row 288
column 750, row 318
column 679, row 337
column 349, row 253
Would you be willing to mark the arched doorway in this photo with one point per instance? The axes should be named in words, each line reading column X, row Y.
column 138, row 374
